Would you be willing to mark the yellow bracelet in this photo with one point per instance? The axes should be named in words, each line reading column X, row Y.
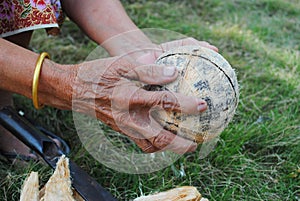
column 35, row 81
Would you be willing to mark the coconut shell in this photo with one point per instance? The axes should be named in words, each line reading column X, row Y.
column 207, row 75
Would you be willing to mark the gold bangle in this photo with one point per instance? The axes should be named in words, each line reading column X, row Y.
column 35, row 81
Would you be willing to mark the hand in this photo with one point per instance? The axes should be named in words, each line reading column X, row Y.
column 111, row 89
column 187, row 41
column 156, row 50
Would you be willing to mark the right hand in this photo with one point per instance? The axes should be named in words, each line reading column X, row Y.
column 111, row 89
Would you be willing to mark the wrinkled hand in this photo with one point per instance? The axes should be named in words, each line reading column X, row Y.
column 111, row 90
column 187, row 41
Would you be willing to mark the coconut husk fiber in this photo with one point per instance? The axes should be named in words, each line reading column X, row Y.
column 59, row 188
column 184, row 193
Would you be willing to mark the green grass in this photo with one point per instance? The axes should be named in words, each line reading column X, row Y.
column 258, row 155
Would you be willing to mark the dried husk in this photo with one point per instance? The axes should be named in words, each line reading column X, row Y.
column 184, row 193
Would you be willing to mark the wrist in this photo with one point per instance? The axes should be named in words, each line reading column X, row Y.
column 55, row 84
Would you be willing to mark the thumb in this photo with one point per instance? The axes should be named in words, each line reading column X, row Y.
column 150, row 57
column 153, row 74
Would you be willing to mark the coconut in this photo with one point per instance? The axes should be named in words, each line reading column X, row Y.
column 205, row 74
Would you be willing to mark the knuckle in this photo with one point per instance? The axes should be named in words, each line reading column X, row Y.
column 144, row 145
column 167, row 100
column 137, row 99
column 146, row 73
column 161, row 141
column 121, row 119
column 117, row 102
column 122, row 67
column 133, row 74
column 148, row 149
column 151, row 71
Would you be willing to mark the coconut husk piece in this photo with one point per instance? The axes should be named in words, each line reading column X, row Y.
column 184, row 193
column 57, row 188
column 30, row 189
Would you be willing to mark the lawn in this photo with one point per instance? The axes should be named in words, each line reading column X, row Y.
column 258, row 154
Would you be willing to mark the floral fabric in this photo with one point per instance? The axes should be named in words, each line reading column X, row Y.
column 17, row 16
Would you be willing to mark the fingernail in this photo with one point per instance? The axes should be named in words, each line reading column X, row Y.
column 201, row 106
column 169, row 71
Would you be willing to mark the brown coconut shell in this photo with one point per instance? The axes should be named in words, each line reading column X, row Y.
column 207, row 75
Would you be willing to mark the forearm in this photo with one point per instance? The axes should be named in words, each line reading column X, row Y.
column 102, row 20
column 17, row 66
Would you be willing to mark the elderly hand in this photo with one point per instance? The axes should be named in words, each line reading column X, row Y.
column 112, row 90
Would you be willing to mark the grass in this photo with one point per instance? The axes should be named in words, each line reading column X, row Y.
column 258, row 155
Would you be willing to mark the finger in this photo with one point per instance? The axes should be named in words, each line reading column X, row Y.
column 127, row 96
column 155, row 138
column 145, row 145
column 168, row 101
column 169, row 141
column 165, row 140
column 130, row 130
column 208, row 45
column 193, row 41
column 149, row 57
column 130, row 126
column 187, row 41
column 153, row 74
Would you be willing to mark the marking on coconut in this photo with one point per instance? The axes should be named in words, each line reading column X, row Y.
column 183, row 72
column 207, row 75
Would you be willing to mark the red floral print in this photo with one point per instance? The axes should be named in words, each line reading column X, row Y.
column 22, row 15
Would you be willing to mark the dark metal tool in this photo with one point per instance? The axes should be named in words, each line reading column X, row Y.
column 84, row 184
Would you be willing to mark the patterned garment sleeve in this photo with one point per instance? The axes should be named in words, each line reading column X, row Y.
column 18, row 16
